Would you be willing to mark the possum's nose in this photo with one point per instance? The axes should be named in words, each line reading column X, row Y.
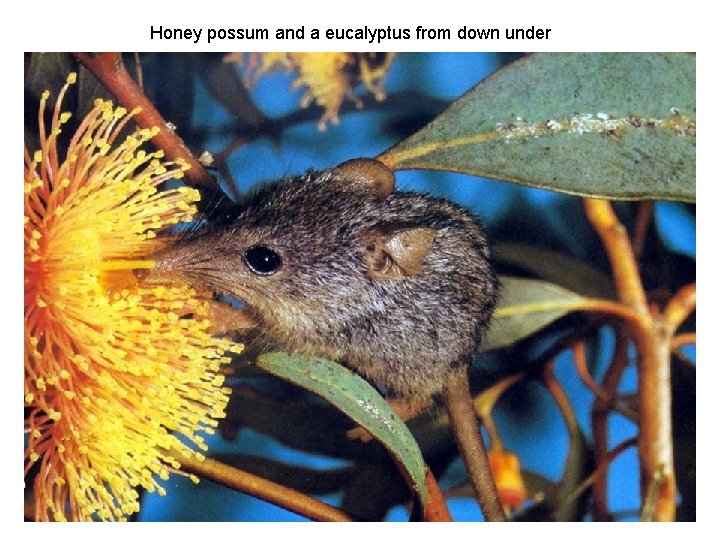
column 160, row 272
column 153, row 276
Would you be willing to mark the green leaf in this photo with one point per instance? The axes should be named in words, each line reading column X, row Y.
column 356, row 398
column 578, row 465
column 556, row 267
column 614, row 125
column 526, row 306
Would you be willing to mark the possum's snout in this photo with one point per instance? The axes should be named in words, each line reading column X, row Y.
column 159, row 274
column 204, row 262
column 141, row 273
column 168, row 267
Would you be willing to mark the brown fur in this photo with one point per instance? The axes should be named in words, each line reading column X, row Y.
column 395, row 285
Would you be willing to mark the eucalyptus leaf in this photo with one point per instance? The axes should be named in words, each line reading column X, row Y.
column 613, row 125
column 557, row 267
column 356, row 398
column 578, row 465
column 526, row 306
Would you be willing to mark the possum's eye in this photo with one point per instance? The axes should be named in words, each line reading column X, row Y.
column 262, row 260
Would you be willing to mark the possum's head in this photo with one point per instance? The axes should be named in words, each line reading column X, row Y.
column 303, row 244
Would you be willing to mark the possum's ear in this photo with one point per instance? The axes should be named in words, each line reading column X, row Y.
column 367, row 174
column 398, row 252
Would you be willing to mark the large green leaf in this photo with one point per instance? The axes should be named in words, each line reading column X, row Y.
column 356, row 398
column 615, row 125
column 526, row 306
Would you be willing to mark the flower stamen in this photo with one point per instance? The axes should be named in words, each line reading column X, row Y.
column 119, row 374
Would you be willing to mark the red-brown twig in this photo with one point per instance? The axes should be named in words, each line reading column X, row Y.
column 560, row 397
column 619, row 250
column 679, row 340
column 436, row 508
column 611, row 308
column 600, row 470
column 109, row 69
column 256, row 486
column 642, row 223
column 580, row 361
column 460, row 408
column 599, row 421
column 680, row 306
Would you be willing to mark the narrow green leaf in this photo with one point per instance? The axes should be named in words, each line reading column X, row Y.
column 556, row 267
column 577, row 468
column 356, row 398
column 526, row 306
column 614, row 125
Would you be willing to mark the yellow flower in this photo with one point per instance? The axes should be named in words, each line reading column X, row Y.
column 119, row 375
column 505, row 467
column 329, row 77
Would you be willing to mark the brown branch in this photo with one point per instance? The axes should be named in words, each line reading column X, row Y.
column 29, row 511
column 679, row 340
column 642, row 223
column 655, row 494
column 611, row 308
column 655, row 444
column 600, row 470
column 261, row 488
column 652, row 338
column 599, row 420
column 619, row 250
column 680, row 306
column 111, row 72
column 558, row 394
column 580, row 360
column 436, row 508
column 461, row 411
